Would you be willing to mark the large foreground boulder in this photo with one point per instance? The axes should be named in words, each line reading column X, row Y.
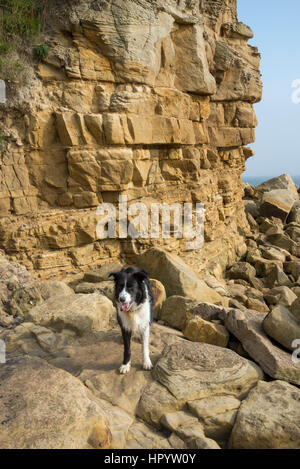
column 45, row 407
column 269, row 418
column 192, row 372
column 176, row 276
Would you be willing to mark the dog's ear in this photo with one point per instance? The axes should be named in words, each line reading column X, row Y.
column 115, row 275
column 141, row 275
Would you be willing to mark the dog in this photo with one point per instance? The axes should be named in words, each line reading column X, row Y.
column 134, row 303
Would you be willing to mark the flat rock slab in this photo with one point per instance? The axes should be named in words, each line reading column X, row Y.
column 247, row 326
column 269, row 418
column 97, row 365
column 47, row 408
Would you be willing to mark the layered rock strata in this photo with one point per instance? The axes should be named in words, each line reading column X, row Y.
column 148, row 99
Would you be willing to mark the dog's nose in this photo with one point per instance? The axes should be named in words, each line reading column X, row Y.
column 122, row 299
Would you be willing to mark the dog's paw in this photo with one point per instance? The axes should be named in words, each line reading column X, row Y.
column 147, row 365
column 125, row 368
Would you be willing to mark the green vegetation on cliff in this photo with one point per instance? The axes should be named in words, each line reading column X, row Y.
column 21, row 22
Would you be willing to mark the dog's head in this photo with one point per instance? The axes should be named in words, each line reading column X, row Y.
column 130, row 290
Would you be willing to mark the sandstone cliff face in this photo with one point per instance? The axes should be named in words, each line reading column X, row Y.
column 152, row 99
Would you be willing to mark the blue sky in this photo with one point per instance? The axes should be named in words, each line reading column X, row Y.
column 276, row 26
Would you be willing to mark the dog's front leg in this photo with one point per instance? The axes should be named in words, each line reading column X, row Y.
column 125, row 367
column 147, row 365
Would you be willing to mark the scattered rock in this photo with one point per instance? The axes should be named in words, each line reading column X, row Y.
column 247, row 326
column 106, row 288
column 13, row 276
column 281, row 182
column 294, row 215
column 282, row 326
column 280, row 296
column 159, row 294
column 242, row 270
column 217, row 415
column 257, row 305
column 77, row 312
column 269, row 418
column 277, row 203
column 199, row 330
column 295, row 308
column 176, row 311
column 102, row 273
column 251, row 208
column 24, row 299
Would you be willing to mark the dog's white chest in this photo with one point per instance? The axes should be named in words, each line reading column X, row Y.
column 137, row 320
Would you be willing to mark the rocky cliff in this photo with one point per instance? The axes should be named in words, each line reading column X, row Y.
column 152, row 99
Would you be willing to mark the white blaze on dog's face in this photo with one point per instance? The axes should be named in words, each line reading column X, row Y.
column 125, row 298
column 129, row 291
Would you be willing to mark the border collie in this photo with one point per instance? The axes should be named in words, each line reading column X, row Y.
column 134, row 302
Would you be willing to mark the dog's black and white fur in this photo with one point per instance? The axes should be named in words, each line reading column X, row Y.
column 134, row 302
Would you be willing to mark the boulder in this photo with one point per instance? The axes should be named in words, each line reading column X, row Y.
column 294, row 215
column 176, row 311
column 282, row 326
column 269, row 418
column 142, row 436
column 274, row 253
column 13, row 276
column 293, row 268
column 43, row 407
column 199, row 330
column 293, row 231
column 192, row 372
column 257, row 305
column 277, row 278
column 241, row 270
column 200, row 370
column 280, row 296
column 277, row 203
column 24, row 299
column 102, row 273
column 217, row 415
column 106, row 288
column 77, row 312
column 247, row 326
column 283, row 182
column 251, row 208
column 176, row 276
column 159, row 294
column 295, row 309
column 283, row 241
